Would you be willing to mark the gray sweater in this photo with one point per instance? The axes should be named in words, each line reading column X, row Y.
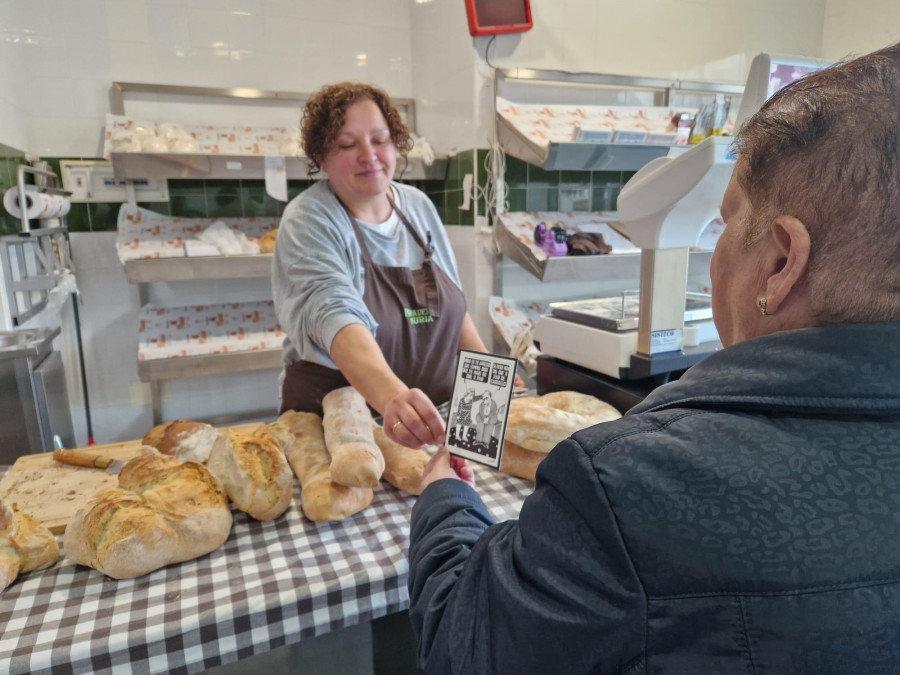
column 317, row 270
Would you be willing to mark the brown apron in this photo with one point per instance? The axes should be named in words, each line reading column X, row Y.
column 419, row 314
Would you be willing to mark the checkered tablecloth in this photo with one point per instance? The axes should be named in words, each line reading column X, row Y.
column 271, row 584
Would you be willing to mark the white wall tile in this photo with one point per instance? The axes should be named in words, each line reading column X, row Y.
column 168, row 25
column 65, row 136
column 127, row 20
column 208, row 29
column 132, row 61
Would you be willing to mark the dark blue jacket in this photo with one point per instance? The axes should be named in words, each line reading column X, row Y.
column 744, row 519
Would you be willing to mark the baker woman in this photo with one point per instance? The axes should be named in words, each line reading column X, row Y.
column 364, row 279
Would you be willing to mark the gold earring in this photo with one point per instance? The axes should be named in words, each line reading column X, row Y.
column 761, row 303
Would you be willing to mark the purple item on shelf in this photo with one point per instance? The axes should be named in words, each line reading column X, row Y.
column 551, row 240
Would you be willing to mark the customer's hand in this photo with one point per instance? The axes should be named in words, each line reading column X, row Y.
column 411, row 419
column 445, row 465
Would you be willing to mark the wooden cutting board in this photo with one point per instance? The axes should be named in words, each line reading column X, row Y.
column 52, row 492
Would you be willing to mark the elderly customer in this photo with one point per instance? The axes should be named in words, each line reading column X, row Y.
column 745, row 518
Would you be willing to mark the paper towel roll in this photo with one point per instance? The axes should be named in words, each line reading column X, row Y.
column 37, row 204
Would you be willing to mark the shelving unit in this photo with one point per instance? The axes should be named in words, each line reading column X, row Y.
column 154, row 270
column 592, row 156
column 162, row 166
column 137, row 165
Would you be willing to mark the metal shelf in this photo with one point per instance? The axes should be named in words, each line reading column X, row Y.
column 576, row 156
column 137, row 165
column 154, row 370
column 578, row 268
column 153, row 270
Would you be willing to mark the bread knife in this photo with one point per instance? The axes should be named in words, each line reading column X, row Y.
column 88, row 459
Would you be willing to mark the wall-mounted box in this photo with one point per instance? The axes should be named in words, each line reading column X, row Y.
column 92, row 180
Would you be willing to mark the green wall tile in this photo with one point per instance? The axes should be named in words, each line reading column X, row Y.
column 223, row 199
column 188, row 206
column 103, row 216
column 439, row 201
column 517, row 198
column 156, row 207
column 575, row 197
column 78, row 219
column 538, row 177
column 256, row 202
column 516, row 173
column 542, row 198
column 574, row 177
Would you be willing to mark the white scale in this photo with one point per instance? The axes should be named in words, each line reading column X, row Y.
column 664, row 209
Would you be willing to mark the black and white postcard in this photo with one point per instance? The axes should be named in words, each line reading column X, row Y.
column 479, row 406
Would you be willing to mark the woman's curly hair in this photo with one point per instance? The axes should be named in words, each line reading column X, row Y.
column 324, row 114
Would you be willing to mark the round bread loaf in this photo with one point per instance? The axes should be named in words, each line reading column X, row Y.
column 184, row 440
column 536, row 425
column 25, row 545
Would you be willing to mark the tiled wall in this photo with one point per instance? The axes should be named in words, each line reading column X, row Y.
column 193, row 198
column 530, row 188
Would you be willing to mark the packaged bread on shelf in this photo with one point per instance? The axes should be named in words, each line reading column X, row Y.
column 267, row 241
column 254, row 471
column 356, row 460
column 403, row 466
column 25, row 545
column 184, row 440
column 321, row 499
column 163, row 512
column 536, row 425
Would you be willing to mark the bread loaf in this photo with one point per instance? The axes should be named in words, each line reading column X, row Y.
column 539, row 423
column 267, row 241
column 25, row 545
column 517, row 461
column 536, row 425
column 403, row 466
column 254, row 471
column 186, row 441
column 355, row 459
column 163, row 512
column 320, row 498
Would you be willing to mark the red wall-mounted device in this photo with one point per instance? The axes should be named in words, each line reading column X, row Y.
column 493, row 17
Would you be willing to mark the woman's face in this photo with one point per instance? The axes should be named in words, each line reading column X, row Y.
column 361, row 163
column 735, row 271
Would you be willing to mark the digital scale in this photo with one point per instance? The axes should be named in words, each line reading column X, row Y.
column 601, row 346
column 662, row 329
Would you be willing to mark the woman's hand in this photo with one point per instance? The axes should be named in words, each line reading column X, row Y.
column 445, row 465
column 411, row 419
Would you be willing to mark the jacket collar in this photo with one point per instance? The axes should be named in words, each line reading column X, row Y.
column 837, row 369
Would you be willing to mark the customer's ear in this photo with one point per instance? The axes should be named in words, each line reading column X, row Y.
column 788, row 261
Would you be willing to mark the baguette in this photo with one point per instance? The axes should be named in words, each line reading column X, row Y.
column 355, row 459
column 254, row 471
column 25, row 545
column 186, row 441
column 403, row 466
column 162, row 512
column 321, row 499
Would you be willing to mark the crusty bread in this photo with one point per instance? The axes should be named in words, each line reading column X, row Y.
column 25, row 545
column 536, row 425
column 403, row 466
column 163, row 512
column 186, row 441
column 355, row 459
column 517, row 461
column 321, row 498
column 267, row 241
column 581, row 404
column 254, row 471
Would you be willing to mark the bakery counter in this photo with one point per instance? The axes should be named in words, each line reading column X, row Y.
column 271, row 584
